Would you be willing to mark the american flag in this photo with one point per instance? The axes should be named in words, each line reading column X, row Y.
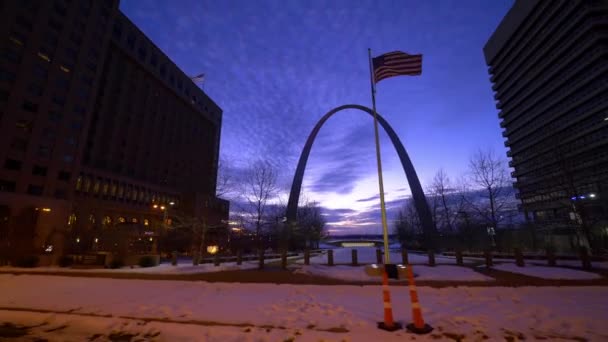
column 396, row 63
column 198, row 78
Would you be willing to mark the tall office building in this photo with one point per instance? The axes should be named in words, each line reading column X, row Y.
column 548, row 61
column 97, row 128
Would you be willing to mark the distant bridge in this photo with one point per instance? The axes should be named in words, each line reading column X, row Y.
column 358, row 242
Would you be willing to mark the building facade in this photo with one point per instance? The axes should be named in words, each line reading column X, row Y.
column 99, row 129
column 548, row 62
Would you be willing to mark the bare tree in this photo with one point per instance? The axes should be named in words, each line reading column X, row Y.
column 260, row 186
column 198, row 228
column 225, row 179
column 311, row 224
column 407, row 226
column 489, row 174
column 440, row 190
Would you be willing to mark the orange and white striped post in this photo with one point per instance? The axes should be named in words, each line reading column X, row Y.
column 418, row 326
column 389, row 324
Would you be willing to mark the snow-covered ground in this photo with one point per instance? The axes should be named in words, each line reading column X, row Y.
column 547, row 272
column 357, row 273
column 165, row 268
column 367, row 255
column 570, row 263
column 270, row 312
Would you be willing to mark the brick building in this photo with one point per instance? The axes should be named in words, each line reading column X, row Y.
column 96, row 126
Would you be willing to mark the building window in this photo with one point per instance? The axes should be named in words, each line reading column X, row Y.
column 44, row 56
column 4, row 94
column 87, row 184
column 146, row 222
column 60, row 194
column 24, row 23
column 104, row 188
column 134, row 220
column 51, row 39
column 122, row 219
column 12, row 164
column 38, row 170
column 65, row 176
column 17, row 38
column 24, row 125
column 71, row 219
column 41, row 72
column 59, row 100
column 78, row 183
column 55, row 116
column 19, row 144
column 30, row 106
column 34, row 89
column 35, row 190
column 107, row 220
column 11, row 55
column 7, row 186
column 44, row 151
column 55, row 25
column 96, row 187
column 7, row 76
column 76, row 38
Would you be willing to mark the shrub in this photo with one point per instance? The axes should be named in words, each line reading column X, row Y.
column 146, row 261
column 117, row 263
column 66, row 261
column 27, row 261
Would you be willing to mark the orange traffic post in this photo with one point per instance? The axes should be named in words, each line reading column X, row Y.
column 418, row 327
column 389, row 324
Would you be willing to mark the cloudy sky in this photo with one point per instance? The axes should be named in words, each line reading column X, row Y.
column 276, row 67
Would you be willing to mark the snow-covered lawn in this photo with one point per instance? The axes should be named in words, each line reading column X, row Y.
column 367, row 255
column 357, row 273
column 547, row 272
column 165, row 268
column 279, row 312
column 571, row 263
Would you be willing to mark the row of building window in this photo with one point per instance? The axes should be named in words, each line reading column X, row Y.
column 563, row 101
column 180, row 83
column 544, row 86
column 37, row 170
column 572, row 127
column 98, row 186
column 560, row 64
column 527, row 55
column 107, row 221
column 514, row 47
column 32, row 189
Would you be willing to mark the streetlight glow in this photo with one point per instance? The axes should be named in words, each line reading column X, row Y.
column 46, row 210
column 171, row 203
column 155, row 206
column 162, row 207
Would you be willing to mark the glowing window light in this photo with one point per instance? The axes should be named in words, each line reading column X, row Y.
column 212, row 249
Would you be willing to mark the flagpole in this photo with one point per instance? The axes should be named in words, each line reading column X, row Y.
column 379, row 161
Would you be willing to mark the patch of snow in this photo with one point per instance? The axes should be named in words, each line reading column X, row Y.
column 164, row 268
column 357, row 273
column 547, row 272
column 367, row 255
column 494, row 312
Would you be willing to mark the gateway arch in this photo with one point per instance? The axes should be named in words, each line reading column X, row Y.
column 420, row 202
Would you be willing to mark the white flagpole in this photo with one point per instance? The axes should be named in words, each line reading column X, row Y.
column 379, row 161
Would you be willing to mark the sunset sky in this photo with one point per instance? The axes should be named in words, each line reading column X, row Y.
column 276, row 67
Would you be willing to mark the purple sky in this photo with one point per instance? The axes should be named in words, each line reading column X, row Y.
column 276, row 67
